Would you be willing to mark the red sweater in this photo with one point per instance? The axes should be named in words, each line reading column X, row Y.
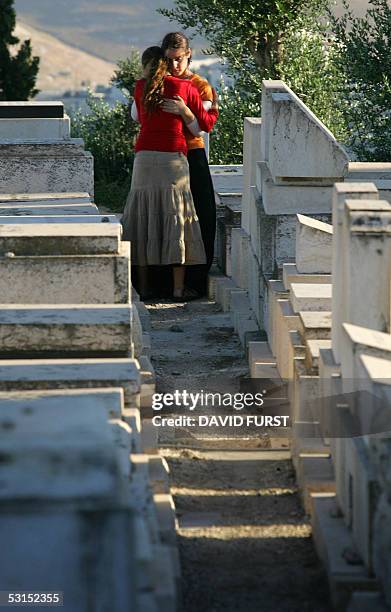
column 162, row 131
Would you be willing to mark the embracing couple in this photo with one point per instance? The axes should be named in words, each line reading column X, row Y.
column 170, row 214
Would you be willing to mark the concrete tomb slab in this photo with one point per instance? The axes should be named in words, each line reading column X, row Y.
column 368, row 171
column 309, row 296
column 25, row 375
column 294, row 142
column 43, row 549
column 48, row 166
column 316, row 325
column 313, row 245
column 112, row 398
column 67, row 218
column 34, row 129
column 60, row 239
column 48, row 209
column 70, row 279
column 313, row 347
column 342, row 192
column 77, row 197
column 83, row 329
column 58, row 448
column 291, row 274
column 284, row 199
column 251, row 154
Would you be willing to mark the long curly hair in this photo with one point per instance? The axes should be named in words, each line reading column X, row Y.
column 155, row 66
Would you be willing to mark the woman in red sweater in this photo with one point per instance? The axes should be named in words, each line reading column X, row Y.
column 159, row 217
column 177, row 49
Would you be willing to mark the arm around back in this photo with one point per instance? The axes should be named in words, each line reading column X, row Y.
column 206, row 119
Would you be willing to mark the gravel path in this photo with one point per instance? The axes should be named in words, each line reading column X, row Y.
column 244, row 540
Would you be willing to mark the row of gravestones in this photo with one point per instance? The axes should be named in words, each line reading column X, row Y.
column 321, row 294
column 85, row 508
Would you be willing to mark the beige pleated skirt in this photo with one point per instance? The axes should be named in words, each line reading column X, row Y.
column 159, row 217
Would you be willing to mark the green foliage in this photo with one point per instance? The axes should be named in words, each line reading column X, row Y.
column 129, row 70
column 363, row 59
column 18, row 72
column 226, row 142
column 341, row 69
column 109, row 134
column 309, row 68
column 260, row 40
column 248, row 34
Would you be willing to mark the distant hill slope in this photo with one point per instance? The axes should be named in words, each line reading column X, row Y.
column 64, row 67
column 105, row 28
column 108, row 28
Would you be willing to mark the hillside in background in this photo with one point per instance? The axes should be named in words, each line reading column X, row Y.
column 63, row 67
column 108, row 28
column 105, row 28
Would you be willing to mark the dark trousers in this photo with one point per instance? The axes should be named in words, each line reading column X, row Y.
column 204, row 200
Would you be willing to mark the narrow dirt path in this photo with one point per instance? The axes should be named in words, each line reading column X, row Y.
column 245, row 543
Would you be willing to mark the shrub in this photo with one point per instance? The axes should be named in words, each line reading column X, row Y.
column 364, row 100
column 109, row 133
column 226, row 139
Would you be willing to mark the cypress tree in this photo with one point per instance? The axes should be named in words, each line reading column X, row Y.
column 18, row 71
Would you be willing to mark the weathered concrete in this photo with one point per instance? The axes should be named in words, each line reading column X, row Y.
column 289, row 127
column 45, row 167
column 27, row 375
column 341, row 192
column 49, row 209
column 307, row 296
column 286, row 322
column 110, row 398
column 60, row 559
column 239, row 255
column 316, row 325
column 333, row 542
column 76, row 197
column 290, row 274
column 59, row 447
column 314, row 345
column 30, row 130
column 313, row 246
column 61, row 328
column 227, row 178
column 73, row 279
column 55, row 218
column 60, row 239
column 359, row 340
column 251, row 154
column 283, row 199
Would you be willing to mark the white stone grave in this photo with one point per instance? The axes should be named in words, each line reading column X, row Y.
column 76, row 197
column 341, row 192
column 48, row 209
column 66, row 279
column 56, row 218
column 37, row 153
column 25, row 374
column 313, row 246
column 251, row 154
column 87, row 329
column 59, row 447
column 308, row 296
column 53, row 239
